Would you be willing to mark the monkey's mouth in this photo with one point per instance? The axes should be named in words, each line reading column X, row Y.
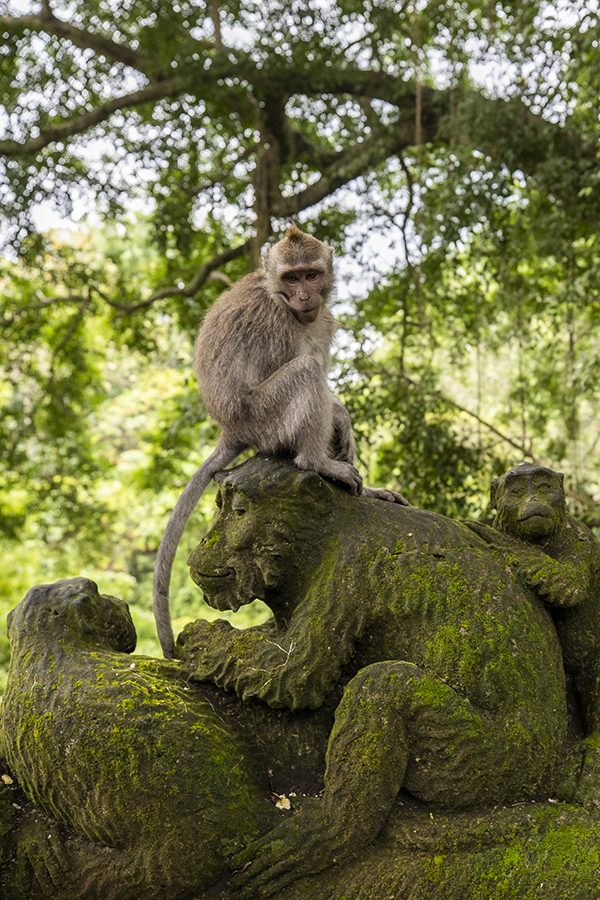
column 534, row 514
column 226, row 573
column 307, row 314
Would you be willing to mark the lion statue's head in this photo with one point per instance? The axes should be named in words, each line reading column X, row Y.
column 269, row 528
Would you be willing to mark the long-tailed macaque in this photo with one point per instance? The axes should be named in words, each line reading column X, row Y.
column 261, row 359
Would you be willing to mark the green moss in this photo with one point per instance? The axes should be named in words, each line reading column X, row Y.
column 433, row 870
column 213, row 538
column 154, row 763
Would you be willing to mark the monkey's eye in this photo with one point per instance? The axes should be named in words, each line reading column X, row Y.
column 238, row 505
column 291, row 279
column 310, row 276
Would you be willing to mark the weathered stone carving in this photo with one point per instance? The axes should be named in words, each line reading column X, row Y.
column 462, row 680
column 429, row 642
column 121, row 751
column 559, row 559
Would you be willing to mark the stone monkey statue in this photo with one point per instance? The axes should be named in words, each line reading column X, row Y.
column 130, row 781
column 456, row 666
column 149, row 780
column 261, row 359
column 559, row 558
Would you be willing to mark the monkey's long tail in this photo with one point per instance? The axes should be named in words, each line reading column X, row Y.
column 221, row 456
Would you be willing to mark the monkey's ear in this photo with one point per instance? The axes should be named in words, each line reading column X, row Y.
column 294, row 233
column 494, row 486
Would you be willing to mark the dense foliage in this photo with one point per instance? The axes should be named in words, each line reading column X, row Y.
column 447, row 150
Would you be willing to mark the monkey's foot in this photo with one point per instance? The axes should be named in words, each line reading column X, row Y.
column 340, row 471
column 385, row 494
column 301, row 845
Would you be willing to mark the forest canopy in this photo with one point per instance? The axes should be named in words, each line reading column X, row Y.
column 448, row 152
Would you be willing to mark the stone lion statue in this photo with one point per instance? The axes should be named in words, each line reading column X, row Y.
column 461, row 671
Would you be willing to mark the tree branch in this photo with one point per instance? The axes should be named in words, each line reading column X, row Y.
column 215, row 15
column 44, row 303
column 78, row 124
column 305, row 151
column 469, row 412
column 82, row 38
column 525, row 451
column 206, row 272
column 188, row 290
column 349, row 164
column 495, row 117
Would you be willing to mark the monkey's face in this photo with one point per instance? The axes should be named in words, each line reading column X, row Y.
column 267, row 536
column 530, row 506
column 299, row 271
column 242, row 558
column 304, row 291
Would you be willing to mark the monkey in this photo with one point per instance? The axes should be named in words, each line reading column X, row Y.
column 261, row 358
column 559, row 559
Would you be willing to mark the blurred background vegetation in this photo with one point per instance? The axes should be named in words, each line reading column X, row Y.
column 448, row 151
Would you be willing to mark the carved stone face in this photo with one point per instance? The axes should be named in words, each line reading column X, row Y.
column 229, row 564
column 73, row 607
column 530, row 502
column 259, row 544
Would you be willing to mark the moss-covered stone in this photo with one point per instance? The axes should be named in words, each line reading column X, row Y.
column 353, row 582
column 454, row 676
column 527, row 852
column 8, row 812
column 121, row 751
column 442, row 667
column 558, row 558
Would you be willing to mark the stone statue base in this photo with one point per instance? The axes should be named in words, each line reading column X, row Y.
column 420, row 718
column 524, row 852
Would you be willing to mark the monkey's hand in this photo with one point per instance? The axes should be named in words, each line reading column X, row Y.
column 259, row 662
column 302, row 845
column 215, row 651
column 385, row 494
column 339, row 471
column 564, row 583
column 492, row 536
